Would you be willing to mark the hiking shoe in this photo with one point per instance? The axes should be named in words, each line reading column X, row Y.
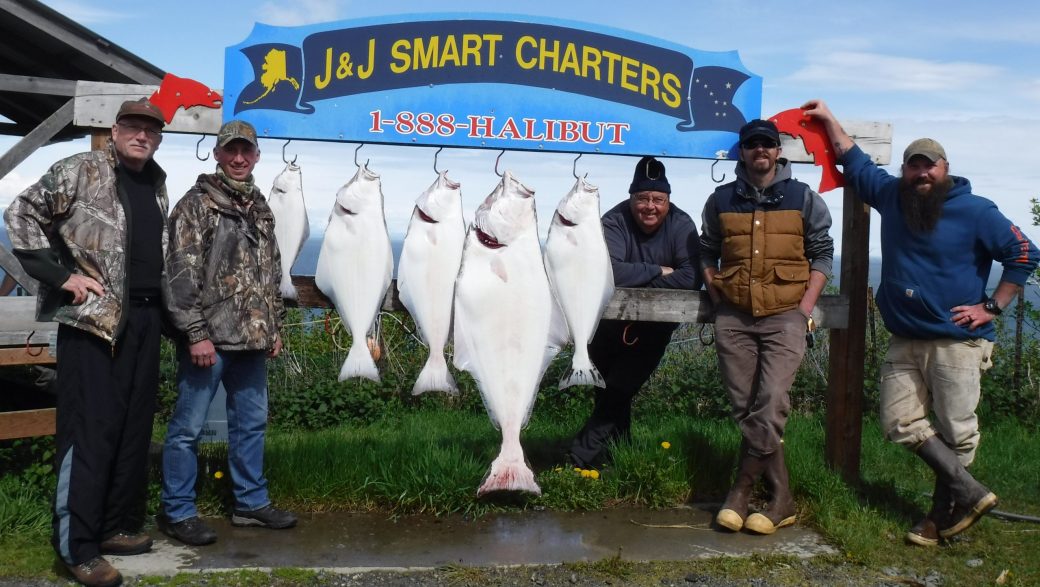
column 126, row 543
column 191, row 531
column 96, row 572
column 265, row 517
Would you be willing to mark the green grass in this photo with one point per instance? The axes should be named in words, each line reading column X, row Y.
column 431, row 461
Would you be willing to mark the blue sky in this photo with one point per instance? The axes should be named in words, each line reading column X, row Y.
column 955, row 71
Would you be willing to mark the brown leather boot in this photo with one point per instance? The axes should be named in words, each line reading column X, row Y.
column 96, row 572
column 781, row 510
column 734, row 509
column 126, row 543
column 971, row 499
column 926, row 531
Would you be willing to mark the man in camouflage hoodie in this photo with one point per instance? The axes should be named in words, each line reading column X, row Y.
column 92, row 230
column 224, row 272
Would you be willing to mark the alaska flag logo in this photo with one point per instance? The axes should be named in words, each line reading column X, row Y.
column 277, row 71
column 710, row 99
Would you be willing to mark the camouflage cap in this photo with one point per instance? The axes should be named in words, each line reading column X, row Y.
column 143, row 108
column 929, row 148
column 236, row 129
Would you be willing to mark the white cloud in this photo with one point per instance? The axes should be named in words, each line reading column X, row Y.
column 875, row 72
column 10, row 186
column 88, row 15
column 299, row 12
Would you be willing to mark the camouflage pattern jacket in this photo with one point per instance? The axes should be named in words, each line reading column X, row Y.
column 224, row 269
column 76, row 219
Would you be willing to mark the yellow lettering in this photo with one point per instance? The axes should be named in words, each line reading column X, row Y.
column 524, row 41
column 363, row 72
column 319, row 81
column 651, row 79
column 544, row 53
column 450, row 53
column 628, row 72
column 492, row 51
column 426, row 58
column 590, row 59
column 612, row 59
column 570, row 60
column 402, row 59
column 672, row 90
column 470, row 48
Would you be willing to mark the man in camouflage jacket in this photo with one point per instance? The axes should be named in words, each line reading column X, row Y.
column 224, row 272
column 92, row 230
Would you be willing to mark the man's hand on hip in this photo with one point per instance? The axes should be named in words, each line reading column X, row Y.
column 78, row 285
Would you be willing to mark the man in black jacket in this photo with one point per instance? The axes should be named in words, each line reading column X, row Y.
column 652, row 243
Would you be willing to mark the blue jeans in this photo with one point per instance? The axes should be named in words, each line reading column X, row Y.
column 244, row 374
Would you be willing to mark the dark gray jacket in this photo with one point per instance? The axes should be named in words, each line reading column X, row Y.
column 637, row 258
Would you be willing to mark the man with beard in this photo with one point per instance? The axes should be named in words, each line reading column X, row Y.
column 766, row 253
column 938, row 243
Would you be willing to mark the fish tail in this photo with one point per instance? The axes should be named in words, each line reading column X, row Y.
column 435, row 376
column 287, row 289
column 509, row 474
column 359, row 363
column 582, row 371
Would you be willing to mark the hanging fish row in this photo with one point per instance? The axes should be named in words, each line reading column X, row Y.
column 511, row 307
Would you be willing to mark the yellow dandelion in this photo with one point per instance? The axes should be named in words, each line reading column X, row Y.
column 577, row 469
column 594, row 474
column 218, row 475
column 557, row 469
column 585, row 473
column 666, row 445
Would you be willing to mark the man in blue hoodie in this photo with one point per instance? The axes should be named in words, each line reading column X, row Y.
column 938, row 243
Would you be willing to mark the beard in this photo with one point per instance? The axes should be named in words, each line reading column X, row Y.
column 921, row 212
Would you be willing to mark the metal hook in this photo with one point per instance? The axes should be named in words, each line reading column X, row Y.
column 574, row 167
column 496, row 162
column 284, row 160
column 439, row 149
column 356, row 164
column 197, row 145
column 720, row 180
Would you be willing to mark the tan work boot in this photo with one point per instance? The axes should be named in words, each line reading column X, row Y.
column 96, row 572
column 781, row 510
column 734, row 510
column 926, row 531
column 971, row 499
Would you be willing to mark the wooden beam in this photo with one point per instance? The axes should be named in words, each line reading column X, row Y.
column 18, row 325
column 98, row 102
column 99, row 138
column 844, row 422
column 27, row 84
column 26, row 355
column 26, row 423
column 37, row 138
column 875, row 138
column 649, row 305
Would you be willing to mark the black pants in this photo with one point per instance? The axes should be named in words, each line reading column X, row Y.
column 106, row 404
column 626, row 359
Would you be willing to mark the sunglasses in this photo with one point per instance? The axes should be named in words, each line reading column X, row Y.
column 756, row 143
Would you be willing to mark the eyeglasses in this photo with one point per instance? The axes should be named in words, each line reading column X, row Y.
column 134, row 130
column 646, row 200
column 752, row 144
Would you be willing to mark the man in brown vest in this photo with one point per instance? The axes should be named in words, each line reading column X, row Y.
column 766, row 254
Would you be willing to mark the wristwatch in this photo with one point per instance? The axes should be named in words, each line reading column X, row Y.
column 992, row 307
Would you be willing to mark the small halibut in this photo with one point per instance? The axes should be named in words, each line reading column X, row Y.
column 582, row 279
column 291, row 227
column 356, row 264
column 430, row 260
column 503, row 322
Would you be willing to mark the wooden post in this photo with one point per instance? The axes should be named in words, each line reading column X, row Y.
column 844, row 425
column 99, row 138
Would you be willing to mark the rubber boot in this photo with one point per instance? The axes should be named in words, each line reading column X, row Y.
column 781, row 510
column 926, row 531
column 734, row 510
column 971, row 499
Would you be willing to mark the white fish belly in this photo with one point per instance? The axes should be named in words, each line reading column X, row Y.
column 582, row 279
column 430, row 262
column 355, row 266
column 506, row 326
column 291, row 230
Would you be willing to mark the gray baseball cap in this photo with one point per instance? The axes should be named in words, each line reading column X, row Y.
column 929, row 148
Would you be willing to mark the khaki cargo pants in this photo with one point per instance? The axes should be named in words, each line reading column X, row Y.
column 941, row 376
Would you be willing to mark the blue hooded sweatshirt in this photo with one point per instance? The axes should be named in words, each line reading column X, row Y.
column 925, row 275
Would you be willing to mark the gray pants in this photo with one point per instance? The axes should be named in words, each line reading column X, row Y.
column 758, row 359
column 943, row 376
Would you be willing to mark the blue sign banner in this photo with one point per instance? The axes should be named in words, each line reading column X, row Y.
column 489, row 81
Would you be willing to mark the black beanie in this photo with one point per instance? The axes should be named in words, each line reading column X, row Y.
column 649, row 177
